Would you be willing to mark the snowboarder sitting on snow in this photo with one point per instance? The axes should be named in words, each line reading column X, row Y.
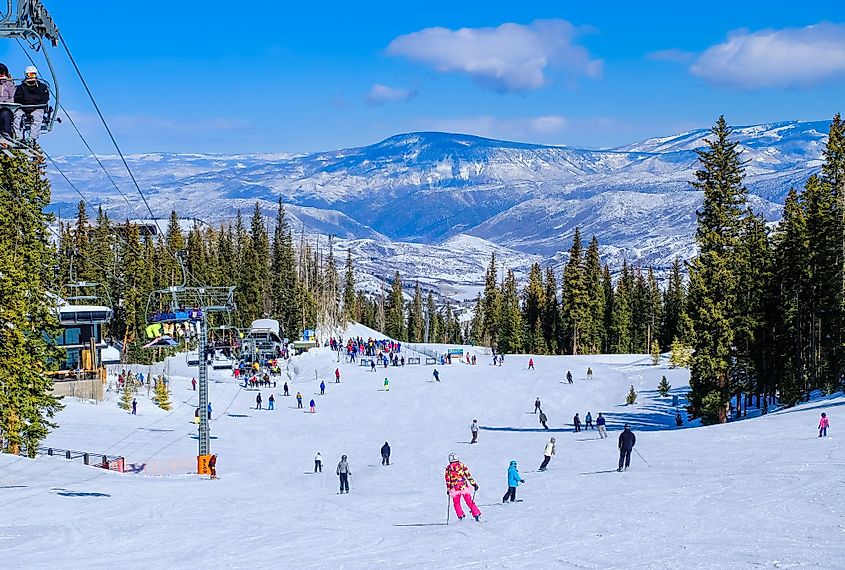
column 385, row 454
column 627, row 440
column 458, row 482
column 513, row 482
column 547, row 454
column 577, row 421
column 343, row 472
column 543, row 419
column 600, row 423
column 588, row 422
column 298, row 400
column 824, row 423
column 473, row 428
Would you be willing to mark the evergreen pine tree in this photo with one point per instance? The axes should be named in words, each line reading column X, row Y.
column 162, row 395
column 534, row 305
column 512, row 330
column 620, row 320
column 631, row 398
column 575, row 301
column 490, row 306
column 664, row 387
column 395, row 311
column 655, row 352
column 551, row 314
column 416, row 319
column 27, row 311
column 713, row 276
column 351, row 312
column 594, row 340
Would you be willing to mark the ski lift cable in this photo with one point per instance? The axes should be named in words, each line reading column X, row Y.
column 120, row 153
column 128, row 245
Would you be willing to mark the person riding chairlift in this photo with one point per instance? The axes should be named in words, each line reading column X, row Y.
column 33, row 94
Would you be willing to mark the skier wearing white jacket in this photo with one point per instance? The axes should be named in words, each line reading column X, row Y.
column 547, row 454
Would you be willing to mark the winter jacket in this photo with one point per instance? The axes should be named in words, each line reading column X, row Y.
column 588, row 418
column 7, row 91
column 627, row 440
column 513, row 475
column 474, row 427
column 343, row 467
column 576, row 420
column 824, row 422
column 29, row 93
column 550, row 449
column 543, row 417
column 318, row 457
column 385, row 450
column 600, row 421
column 458, row 476
column 312, row 403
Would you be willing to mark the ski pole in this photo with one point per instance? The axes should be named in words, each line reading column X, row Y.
column 448, row 510
column 643, row 458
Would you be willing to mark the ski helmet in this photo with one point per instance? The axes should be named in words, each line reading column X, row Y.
column 31, row 69
column 343, row 457
column 452, row 458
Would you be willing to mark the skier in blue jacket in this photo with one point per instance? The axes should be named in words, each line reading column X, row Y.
column 513, row 482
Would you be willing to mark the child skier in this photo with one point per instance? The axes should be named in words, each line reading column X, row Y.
column 530, row 364
column 313, row 405
column 337, row 375
column 514, row 480
column 458, row 482
column 824, row 423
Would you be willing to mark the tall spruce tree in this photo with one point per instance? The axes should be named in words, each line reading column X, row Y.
column 594, row 340
column 534, row 305
column 512, row 330
column 491, row 303
column 395, row 311
column 575, row 301
column 351, row 312
column 551, row 314
column 27, row 311
column 713, row 274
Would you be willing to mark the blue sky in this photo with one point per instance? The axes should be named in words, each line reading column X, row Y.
column 275, row 76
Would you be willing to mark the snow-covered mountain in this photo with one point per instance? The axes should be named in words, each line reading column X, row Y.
column 429, row 188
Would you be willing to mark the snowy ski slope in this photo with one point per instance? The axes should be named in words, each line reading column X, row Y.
column 761, row 493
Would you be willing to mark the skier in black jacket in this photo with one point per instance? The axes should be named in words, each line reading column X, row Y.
column 33, row 94
column 385, row 454
column 627, row 441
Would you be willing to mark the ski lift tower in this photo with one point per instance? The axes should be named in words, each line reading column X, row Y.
column 179, row 305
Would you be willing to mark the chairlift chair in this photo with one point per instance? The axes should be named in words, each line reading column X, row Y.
column 28, row 20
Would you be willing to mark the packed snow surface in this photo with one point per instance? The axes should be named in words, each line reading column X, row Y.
column 760, row 493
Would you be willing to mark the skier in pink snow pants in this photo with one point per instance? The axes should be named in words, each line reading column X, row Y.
column 458, row 482
column 824, row 423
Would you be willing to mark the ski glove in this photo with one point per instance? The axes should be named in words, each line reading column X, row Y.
column 475, row 486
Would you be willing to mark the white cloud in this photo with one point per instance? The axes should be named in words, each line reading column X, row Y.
column 380, row 94
column 776, row 58
column 672, row 54
column 510, row 57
